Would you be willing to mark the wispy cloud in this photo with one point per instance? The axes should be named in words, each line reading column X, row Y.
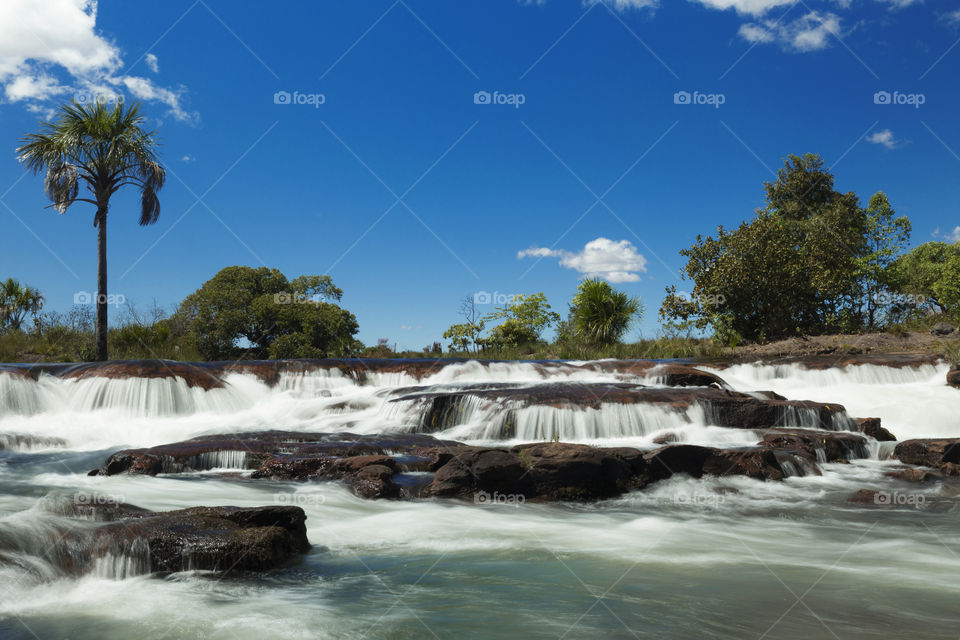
column 810, row 32
column 885, row 138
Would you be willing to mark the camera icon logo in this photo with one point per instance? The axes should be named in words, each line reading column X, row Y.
column 82, row 297
column 882, row 497
column 281, row 97
column 681, row 97
column 481, row 297
column 881, row 97
column 481, row 497
column 481, row 97
column 282, row 298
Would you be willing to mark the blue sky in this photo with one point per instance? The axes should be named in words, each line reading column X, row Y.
column 414, row 189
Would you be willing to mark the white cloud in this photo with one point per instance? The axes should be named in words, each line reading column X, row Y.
column 748, row 7
column 188, row 159
column 50, row 49
column 952, row 17
column 614, row 261
column 808, row 33
column 954, row 236
column 884, row 137
column 152, row 62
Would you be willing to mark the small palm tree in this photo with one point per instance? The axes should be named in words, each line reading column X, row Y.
column 105, row 148
column 16, row 301
column 601, row 314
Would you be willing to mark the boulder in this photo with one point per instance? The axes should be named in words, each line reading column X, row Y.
column 942, row 329
column 222, row 539
column 953, row 377
column 816, row 445
column 932, row 452
column 871, row 427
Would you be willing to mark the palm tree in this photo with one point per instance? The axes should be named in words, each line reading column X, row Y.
column 601, row 314
column 16, row 301
column 106, row 148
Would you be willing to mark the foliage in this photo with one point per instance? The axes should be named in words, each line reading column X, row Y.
column 258, row 313
column 602, row 315
column 792, row 270
column 886, row 238
column 16, row 302
column 524, row 319
column 928, row 278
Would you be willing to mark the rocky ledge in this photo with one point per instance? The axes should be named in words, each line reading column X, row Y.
column 441, row 407
column 409, row 466
column 128, row 540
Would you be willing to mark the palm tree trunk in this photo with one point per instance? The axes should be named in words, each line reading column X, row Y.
column 102, row 283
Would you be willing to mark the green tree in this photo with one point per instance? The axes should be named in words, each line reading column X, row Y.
column 275, row 317
column 928, row 276
column 524, row 319
column 103, row 148
column 16, row 303
column 886, row 238
column 602, row 314
column 791, row 270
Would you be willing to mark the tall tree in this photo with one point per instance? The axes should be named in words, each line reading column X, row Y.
column 103, row 148
column 886, row 236
column 791, row 270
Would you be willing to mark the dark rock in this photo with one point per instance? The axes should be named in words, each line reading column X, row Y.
column 865, row 496
column 815, row 445
column 942, row 329
column 871, row 427
column 222, row 539
column 916, row 475
column 932, row 452
column 953, row 377
column 724, row 408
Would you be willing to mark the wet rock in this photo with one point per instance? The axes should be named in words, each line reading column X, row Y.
column 871, row 427
column 815, row 445
column 222, row 539
column 916, row 475
column 932, row 452
column 953, row 377
column 865, row 496
column 725, row 408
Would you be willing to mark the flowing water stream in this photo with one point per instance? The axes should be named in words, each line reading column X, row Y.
column 719, row 558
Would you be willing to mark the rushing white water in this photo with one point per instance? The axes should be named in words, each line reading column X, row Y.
column 913, row 402
column 716, row 557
